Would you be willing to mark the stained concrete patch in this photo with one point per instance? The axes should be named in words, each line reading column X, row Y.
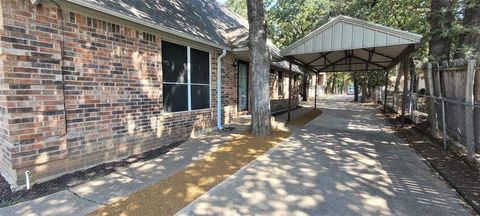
column 175, row 192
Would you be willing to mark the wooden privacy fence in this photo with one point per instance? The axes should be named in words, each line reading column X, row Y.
column 450, row 104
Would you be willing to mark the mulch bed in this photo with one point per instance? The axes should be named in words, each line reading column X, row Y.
column 457, row 171
column 9, row 197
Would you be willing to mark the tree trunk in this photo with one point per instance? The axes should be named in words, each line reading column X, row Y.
column 260, row 59
column 367, row 86
column 327, row 87
column 471, row 22
column 342, row 85
column 431, row 105
column 355, row 86
column 364, row 92
column 441, row 18
column 305, row 86
column 334, row 83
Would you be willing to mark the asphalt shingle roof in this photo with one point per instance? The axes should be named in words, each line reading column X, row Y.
column 206, row 19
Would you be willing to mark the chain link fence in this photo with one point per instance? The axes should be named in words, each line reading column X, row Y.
column 448, row 106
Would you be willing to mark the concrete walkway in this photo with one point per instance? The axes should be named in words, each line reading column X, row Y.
column 87, row 197
column 345, row 162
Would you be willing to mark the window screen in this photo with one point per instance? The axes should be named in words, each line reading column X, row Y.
column 174, row 63
column 200, row 96
column 174, row 69
column 199, row 66
column 175, row 97
column 200, row 76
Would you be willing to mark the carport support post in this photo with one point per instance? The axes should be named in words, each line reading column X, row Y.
column 289, row 90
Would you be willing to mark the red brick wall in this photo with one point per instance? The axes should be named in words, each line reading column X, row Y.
column 106, row 106
column 113, row 94
column 280, row 102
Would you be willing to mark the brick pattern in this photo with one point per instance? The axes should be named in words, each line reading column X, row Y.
column 229, row 89
column 99, row 101
column 112, row 94
column 279, row 102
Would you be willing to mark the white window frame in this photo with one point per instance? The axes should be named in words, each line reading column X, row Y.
column 189, row 81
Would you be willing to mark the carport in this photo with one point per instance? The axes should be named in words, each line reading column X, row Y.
column 346, row 44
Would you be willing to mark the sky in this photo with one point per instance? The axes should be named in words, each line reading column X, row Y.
column 221, row 1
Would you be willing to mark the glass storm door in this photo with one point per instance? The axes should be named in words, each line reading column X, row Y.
column 242, row 86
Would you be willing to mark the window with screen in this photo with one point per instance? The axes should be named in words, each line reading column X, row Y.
column 200, row 79
column 175, row 85
column 185, row 89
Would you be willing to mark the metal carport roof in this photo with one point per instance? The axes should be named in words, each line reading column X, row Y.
column 349, row 44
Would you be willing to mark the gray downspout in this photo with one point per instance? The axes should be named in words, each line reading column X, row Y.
column 219, row 89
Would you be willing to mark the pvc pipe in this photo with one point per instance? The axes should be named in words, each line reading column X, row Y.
column 27, row 179
column 219, row 89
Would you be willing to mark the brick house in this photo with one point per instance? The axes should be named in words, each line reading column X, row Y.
column 122, row 78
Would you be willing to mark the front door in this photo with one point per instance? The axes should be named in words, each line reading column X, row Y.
column 242, row 86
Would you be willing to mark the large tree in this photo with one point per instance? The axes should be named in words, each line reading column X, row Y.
column 260, row 59
column 471, row 23
column 441, row 19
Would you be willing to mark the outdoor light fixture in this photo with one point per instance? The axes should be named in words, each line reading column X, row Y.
column 235, row 63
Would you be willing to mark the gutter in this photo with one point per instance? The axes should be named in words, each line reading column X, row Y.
column 219, row 89
column 148, row 24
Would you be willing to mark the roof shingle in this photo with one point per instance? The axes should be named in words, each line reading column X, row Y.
column 205, row 19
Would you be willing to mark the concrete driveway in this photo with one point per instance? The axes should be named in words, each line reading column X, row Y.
column 345, row 162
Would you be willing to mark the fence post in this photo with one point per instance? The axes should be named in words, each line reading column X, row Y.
column 469, row 128
column 444, row 124
column 442, row 101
